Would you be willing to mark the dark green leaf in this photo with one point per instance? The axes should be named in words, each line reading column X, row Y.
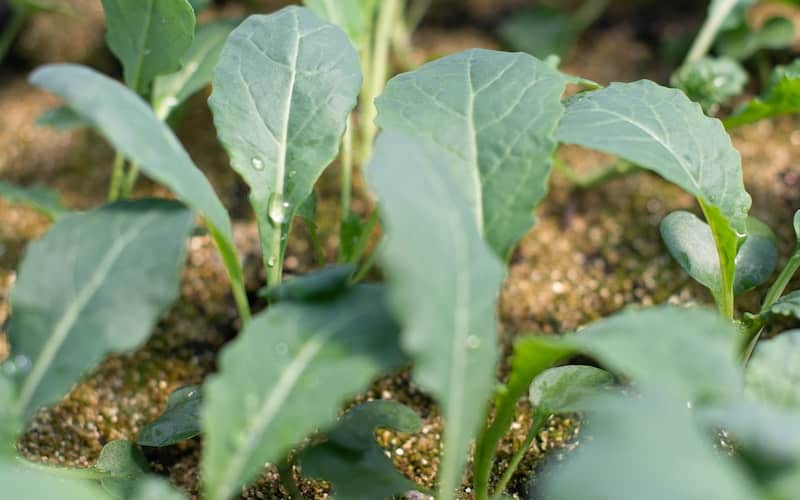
column 170, row 91
column 757, row 257
column 199, row 5
column 283, row 89
column 782, row 97
column 772, row 375
column 129, row 124
column 95, row 283
column 352, row 461
column 308, row 209
column 491, row 115
column 180, row 420
column 661, row 130
column 786, row 486
column 40, row 198
column 123, row 465
column 539, row 31
column 62, row 119
column 320, row 285
column 149, row 37
column 645, row 447
column 565, row 389
column 444, row 282
column 710, row 81
column 287, row 374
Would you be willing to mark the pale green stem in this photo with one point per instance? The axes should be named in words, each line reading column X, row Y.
column 275, row 260
column 379, row 70
column 117, row 177
column 724, row 298
column 130, row 180
column 347, row 170
column 588, row 13
column 536, row 426
column 708, row 32
column 363, row 239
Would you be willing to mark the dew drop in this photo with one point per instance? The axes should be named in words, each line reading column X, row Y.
column 277, row 209
column 271, row 262
column 257, row 163
column 147, row 52
column 473, row 342
column 292, row 173
column 23, row 364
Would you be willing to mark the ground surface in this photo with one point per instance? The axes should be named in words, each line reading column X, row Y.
column 591, row 253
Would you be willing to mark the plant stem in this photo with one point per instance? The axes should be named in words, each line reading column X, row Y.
column 367, row 265
column 588, row 13
column 536, row 426
column 130, row 180
column 347, row 171
column 319, row 252
column 117, row 177
column 230, row 260
column 363, row 239
column 379, row 69
column 708, row 32
column 19, row 14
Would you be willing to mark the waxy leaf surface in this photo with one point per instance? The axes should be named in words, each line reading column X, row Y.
column 565, row 389
column 120, row 466
column 492, row 116
column 773, row 373
column 353, row 462
column 180, row 420
column 444, row 282
column 95, row 283
column 149, row 37
column 22, row 482
column 288, row 374
column 283, row 89
column 40, row 198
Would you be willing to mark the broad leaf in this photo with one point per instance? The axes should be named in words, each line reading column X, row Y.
column 170, row 91
column 95, row 283
column 180, row 420
column 283, row 89
column 40, row 198
column 149, row 37
column 539, row 31
column 661, row 130
column 61, row 119
column 710, row 81
column 444, row 282
column 645, row 447
column 22, row 482
column 565, row 389
column 355, row 17
column 352, row 461
column 119, row 468
column 321, row 285
column 772, row 374
column 130, row 126
column 782, row 97
column 788, row 305
column 691, row 243
column 491, row 115
column 287, row 374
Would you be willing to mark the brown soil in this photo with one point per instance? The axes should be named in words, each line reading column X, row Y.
column 592, row 253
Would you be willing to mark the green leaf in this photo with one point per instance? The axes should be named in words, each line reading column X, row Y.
column 320, row 285
column 690, row 353
column 308, row 209
column 539, row 31
column 565, row 389
column 661, row 130
column 40, row 198
column 95, row 283
column 149, row 37
column 491, row 115
column 788, row 305
column 786, row 486
column 283, row 89
column 156, row 488
column 287, row 374
column 10, row 424
column 772, row 375
column 355, row 17
column 710, row 81
column 199, row 61
column 199, row 5
column 743, row 42
column 22, row 482
column 352, row 461
column 61, row 119
column 782, row 97
column 690, row 242
column 645, row 447
column 129, row 124
column 122, row 464
column 180, row 420
column 444, row 282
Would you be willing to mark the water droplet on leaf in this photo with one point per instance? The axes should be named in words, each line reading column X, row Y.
column 277, row 209
column 473, row 342
column 257, row 163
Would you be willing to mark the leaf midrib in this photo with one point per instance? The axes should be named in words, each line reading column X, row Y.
column 143, row 45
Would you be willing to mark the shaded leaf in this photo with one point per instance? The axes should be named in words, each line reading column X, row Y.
column 355, row 17
column 120, row 465
column 743, row 41
column 62, row 119
column 40, row 198
column 661, row 130
column 491, row 115
column 710, row 81
column 565, row 389
column 308, row 209
column 772, row 374
column 782, row 97
column 352, row 461
column 658, row 454
column 756, row 258
column 788, row 305
column 444, row 282
column 287, row 374
column 149, row 37
column 199, row 5
column 21, row 482
column 199, row 61
column 95, row 283
column 126, row 121
column 283, row 89
column 324, row 284
column 180, row 420
column 539, row 31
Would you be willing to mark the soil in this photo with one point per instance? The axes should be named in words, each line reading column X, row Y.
column 591, row 253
